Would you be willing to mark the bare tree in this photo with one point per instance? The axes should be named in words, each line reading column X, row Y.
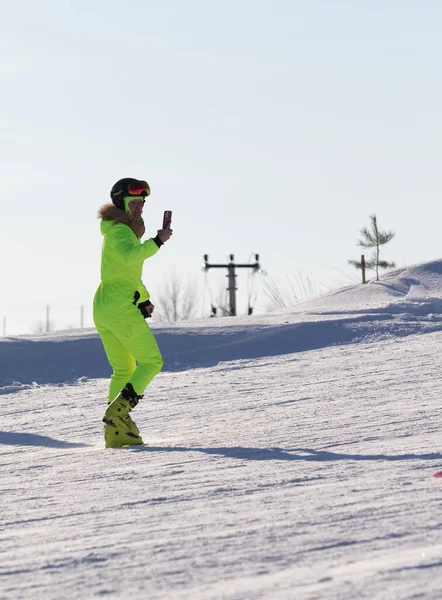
column 373, row 238
column 178, row 301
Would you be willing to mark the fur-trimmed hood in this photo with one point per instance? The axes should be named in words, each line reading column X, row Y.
column 109, row 212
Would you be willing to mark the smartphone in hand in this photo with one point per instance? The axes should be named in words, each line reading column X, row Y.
column 167, row 219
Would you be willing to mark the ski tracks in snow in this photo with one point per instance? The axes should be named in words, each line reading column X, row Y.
column 302, row 476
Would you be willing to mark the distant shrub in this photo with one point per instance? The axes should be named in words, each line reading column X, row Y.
column 296, row 288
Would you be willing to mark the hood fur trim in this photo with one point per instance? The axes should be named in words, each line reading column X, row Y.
column 109, row 212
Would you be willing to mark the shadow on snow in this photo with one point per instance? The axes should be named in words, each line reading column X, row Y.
column 238, row 452
column 8, row 438
column 301, row 454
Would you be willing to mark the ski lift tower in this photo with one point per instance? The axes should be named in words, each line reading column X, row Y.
column 231, row 275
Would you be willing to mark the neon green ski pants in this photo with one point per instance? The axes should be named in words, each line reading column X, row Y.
column 130, row 347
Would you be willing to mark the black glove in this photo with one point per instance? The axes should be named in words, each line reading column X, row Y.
column 146, row 308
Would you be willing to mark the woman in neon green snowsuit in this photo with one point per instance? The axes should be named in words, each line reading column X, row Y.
column 121, row 304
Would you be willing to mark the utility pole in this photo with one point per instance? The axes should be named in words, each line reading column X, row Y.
column 81, row 317
column 47, row 319
column 231, row 275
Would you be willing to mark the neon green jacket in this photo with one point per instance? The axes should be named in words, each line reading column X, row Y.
column 122, row 258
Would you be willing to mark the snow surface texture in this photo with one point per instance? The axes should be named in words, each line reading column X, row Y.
column 289, row 456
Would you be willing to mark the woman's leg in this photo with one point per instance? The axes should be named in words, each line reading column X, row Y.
column 120, row 359
column 138, row 339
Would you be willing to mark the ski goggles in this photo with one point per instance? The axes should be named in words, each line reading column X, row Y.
column 140, row 188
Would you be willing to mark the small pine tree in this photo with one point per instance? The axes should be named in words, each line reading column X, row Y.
column 373, row 238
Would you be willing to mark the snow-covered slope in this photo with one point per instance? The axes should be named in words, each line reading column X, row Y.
column 296, row 462
column 405, row 302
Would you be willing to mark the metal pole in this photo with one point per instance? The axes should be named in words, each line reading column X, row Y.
column 231, row 266
column 47, row 319
column 232, row 287
column 81, row 317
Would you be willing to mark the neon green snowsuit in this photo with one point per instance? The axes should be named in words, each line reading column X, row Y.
column 128, row 341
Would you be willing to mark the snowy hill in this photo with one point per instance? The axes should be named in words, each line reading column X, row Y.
column 405, row 302
column 288, row 456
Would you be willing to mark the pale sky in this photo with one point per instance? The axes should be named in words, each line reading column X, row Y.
column 272, row 127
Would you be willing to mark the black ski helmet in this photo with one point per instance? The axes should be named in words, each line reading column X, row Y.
column 128, row 187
